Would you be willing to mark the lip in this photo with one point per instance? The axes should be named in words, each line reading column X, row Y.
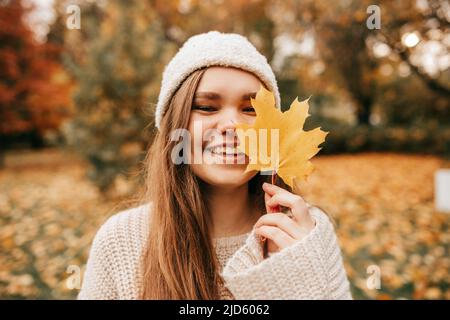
column 231, row 145
column 237, row 158
column 230, row 158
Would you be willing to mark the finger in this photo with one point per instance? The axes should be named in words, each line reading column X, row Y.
column 270, row 209
column 281, row 221
column 285, row 198
column 272, row 189
column 292, row 201
column 300, row 212
column 279, row 237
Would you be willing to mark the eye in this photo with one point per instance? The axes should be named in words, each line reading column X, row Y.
column 249, row 109
column 204, row 108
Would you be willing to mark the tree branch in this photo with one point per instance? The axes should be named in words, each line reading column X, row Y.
column 432, row 83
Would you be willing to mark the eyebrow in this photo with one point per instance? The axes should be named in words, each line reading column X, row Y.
column 249, row 95
column 216, row 96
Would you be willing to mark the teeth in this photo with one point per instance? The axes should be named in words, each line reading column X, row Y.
column 226, row 150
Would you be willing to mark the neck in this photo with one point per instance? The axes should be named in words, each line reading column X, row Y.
column 232, row 212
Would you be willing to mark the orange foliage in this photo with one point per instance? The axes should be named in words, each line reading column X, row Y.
column 34, row 90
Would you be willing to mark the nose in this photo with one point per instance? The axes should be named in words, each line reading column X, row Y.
column 230, row 125
column 226, row 127
column 227, row 122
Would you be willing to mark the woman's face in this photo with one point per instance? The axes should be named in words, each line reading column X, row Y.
column 221, row 101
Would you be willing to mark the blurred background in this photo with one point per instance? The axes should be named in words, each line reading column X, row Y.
column 79, row 81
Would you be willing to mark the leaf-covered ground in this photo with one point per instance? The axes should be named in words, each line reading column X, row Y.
column 382, row 205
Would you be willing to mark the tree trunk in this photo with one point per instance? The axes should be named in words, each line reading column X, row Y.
column 364, row 111
column 364, row 115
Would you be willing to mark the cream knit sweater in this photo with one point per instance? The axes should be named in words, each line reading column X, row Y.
column 312, row 268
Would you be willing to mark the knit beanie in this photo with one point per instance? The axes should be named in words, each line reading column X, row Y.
column 213, row 49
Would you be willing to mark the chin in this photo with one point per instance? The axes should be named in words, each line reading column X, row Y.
column 224, row 175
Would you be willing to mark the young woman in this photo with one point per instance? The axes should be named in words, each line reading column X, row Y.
column 206, row 229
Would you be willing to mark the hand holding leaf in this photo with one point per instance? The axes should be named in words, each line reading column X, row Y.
column 291, row 162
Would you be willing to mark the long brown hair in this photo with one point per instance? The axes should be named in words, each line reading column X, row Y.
column 179, row 260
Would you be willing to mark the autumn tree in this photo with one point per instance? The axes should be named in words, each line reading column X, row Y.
column 347, row 48
column 34, row 89
column 427, row 21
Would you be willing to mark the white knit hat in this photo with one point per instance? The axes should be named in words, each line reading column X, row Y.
column 213, row 49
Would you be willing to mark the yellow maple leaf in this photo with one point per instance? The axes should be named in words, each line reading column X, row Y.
column 288, row 147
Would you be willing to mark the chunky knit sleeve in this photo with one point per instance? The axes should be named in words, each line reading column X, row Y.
column 98, row 283
column 312, row 268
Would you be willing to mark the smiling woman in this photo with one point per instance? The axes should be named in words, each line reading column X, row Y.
column 198, row 233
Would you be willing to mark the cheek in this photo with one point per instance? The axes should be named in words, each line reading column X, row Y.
column 198, row 126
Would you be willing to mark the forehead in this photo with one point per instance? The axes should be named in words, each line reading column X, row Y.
column 228, row 80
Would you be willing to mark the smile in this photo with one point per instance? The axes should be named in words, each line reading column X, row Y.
column 227, row 154
column 226, row 151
